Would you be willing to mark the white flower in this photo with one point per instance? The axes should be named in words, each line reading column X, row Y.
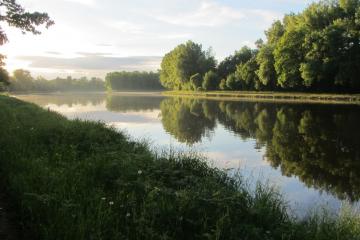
column 128, row 215
column 139, row 172
column 103, row 198
column 111, row 203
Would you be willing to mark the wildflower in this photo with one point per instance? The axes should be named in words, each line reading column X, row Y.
column 128, row 215
column 103, row 198
column 139, row 172
column 111, row 203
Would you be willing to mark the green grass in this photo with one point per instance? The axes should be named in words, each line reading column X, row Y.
column 271, row 96
column 82, row 180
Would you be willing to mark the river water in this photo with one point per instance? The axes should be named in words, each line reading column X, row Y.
column 310, row 152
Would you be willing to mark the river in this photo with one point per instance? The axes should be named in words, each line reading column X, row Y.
column 309, row 152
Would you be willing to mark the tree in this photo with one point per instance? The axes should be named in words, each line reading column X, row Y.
column 4, row 75
column 246, row 73
column 22, row 81
column 228, row 65
column 196, row 81
column 232, row 83
column 316, row 50
column 266, row 71
column 211, row 81
column 275, row 32
column 289, row 54
column 119, row 81
column 15, row 16
column 222, row 84
column 183, row 62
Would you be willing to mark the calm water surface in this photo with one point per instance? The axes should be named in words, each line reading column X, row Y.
column 311, row 152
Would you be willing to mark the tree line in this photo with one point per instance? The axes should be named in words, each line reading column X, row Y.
column 119, row 81
column 316, row 50
column 22, row 81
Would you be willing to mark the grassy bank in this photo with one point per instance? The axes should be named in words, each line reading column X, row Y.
column 271, row 96
column 82, row 180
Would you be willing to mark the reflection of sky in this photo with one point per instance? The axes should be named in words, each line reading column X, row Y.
column 223, row 149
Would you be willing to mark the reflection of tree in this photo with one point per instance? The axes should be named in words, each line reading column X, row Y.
column 65, row 99
column 317, row 143
column 132, row 103
column 321, row 148
column 188, row 120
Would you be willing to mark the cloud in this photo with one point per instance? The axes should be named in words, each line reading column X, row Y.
column 93, row 62
column 212, row 14
column 83, row 2
column 53, row 53
column 209, row 14
column 126, row 27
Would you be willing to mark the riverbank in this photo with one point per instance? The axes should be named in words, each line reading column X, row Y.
column 83, row 180
column 271, row 96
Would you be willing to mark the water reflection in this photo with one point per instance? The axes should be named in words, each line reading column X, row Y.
column 317, row 144
column 119, row 103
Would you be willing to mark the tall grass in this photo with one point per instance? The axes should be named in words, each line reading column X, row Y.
column 83, row 180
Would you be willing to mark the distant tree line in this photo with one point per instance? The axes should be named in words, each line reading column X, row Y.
column 22, row 81
column 119, row 81
column 316, row 50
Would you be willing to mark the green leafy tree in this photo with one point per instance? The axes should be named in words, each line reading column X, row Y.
column 183, row 62
column 288, row 55
column 275, row 32
column 222, row 84
column 266, row 71
column 229, row 64
column 211, row 81
column 246, row 73
column 232, row 83
column 196, row 81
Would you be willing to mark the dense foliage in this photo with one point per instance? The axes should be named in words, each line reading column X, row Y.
column 317, row 50
column 180, row 66
column 22, row 81
column 81, row 180
column 119, row 81
column 16, row 16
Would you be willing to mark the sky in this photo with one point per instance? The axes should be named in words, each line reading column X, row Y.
column 93, row 37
